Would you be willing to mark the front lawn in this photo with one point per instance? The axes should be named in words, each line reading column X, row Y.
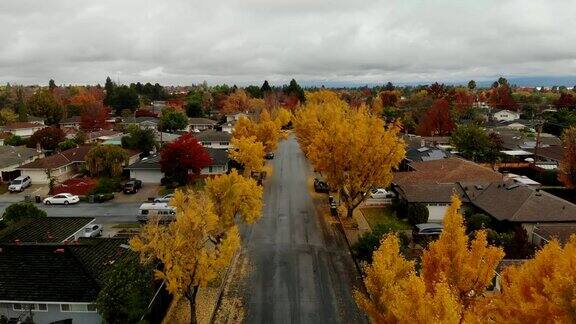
column 386, row 216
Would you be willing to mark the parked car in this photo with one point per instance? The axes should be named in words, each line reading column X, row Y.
column 426, row 231
column 20, row 183
column 164, row 199
column 269, row 156
column 132, row 186
column 93, row 230
column 62, row 199
column 321, row 186
column 380, row 193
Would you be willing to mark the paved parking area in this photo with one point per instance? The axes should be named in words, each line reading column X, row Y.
column 148, row 190
column 34, row 190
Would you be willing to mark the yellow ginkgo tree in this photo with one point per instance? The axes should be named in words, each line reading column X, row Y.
column 200, row 243
column 248, row 152
column 354, row 150
column 456, row 272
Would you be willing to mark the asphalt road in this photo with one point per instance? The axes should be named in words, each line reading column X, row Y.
column 108, row 212
column 300, row 268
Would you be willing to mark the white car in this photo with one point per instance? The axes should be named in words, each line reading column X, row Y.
column 93, row 230
column 164, row 199
column 63, row 199
column 380, row 193
column 20, row 183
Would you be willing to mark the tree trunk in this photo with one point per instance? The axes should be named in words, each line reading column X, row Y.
column 191, row 296
column 349, row 213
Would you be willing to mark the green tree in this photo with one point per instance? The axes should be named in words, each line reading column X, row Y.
column 474, row 144
column 127, row 289
column 14, row 140
column 370, row 241
column 294, row 89
column 67, row 144
column 7, row 116
column 21, row 106
column 254, row 91
column 265, row 88
column 45, row 104
column 109, row 87
column 471, row 84
column 140, row 139
column 106, row 160
column 51, row 84
column 173, row 120
column 194, row 104
column 21, row 210
column 124, row 97
column 417, row 214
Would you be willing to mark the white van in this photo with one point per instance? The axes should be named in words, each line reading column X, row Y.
column 20, row 183
column 162, row 210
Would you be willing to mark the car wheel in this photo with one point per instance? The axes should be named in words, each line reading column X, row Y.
column 66, row 202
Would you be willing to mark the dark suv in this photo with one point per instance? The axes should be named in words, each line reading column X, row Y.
column 132, row 186
column 320, row 186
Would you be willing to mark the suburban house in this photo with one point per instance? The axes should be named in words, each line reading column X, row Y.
column 507, row 201
column 148, row 169
column 71, row 122
column 200, row 124
column 548, row 157
column 57, row 283
column 101, row 135
column 227, row 127
column 45, row 230
column 514, row 140
column 23, row 129
column 236, row 116
column 13, row 157
column 142, row 122
column 214, row 139
column 506, row 115
column 433, row 182
column 63, row 165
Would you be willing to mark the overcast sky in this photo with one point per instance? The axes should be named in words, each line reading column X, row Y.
column 247, row 41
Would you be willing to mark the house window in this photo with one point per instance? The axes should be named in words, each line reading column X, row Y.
column 224, row 143
column 30, row 307
column 206, row 143
column 77, row 308
column 210, row 169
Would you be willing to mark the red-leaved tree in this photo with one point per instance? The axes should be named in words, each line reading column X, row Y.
column 93, row 117
column 47, row 137
column 501, row 98
column 566, row 100
column 437, row 120
column 182, row 156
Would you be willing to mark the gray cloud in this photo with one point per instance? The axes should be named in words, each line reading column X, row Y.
column 246, row 41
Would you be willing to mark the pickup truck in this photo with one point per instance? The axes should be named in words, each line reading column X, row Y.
column 132, row 186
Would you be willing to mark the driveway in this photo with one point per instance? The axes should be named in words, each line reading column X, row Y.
column 294, row 267
column 147, row 191
column 33, row 190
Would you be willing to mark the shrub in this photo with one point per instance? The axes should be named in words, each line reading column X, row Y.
column 67, row 144
column 417, row 214
column 478, row 221
column 106, row 186
column 369, row 242
column 14, row 140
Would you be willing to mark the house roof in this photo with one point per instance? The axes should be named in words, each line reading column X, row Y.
column 60, row 159
column 219, row 156
column 560, row 232
column 425, row 154
column 138, row 120
column 15, row 155
column 44, row 229
column 57, row 273
column 517, row 203
column 555, row 152
column 450, row 170
column 212, row 135
column 22, row 125
column 201, row 121
column 431, row 192
column 102, row 133
column 513, row 140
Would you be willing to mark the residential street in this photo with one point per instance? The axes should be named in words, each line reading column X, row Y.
column 294, row 267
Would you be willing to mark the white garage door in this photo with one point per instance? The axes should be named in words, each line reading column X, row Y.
column 436, row 213
column 147, row 176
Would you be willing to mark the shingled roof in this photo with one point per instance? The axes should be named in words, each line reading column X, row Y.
column 450, row 170
column 211, row 135
column 44, row 229
column 57, row 273
column 61, row 159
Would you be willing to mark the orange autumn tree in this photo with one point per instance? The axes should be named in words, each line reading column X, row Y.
column 541, row 290
column 354, row 150
column 248, row 152
column 455, row 274
column 266, row 130
column 238, row 101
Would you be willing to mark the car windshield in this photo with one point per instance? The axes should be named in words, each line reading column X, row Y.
column 16, row 181
column 88, row 229
column 128, row 185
